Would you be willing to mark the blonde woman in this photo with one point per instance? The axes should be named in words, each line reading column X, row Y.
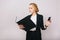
column 33, row 23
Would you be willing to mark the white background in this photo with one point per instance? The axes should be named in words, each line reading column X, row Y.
column 9, row 9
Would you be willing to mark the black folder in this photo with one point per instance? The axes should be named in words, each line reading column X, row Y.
column 27, row 23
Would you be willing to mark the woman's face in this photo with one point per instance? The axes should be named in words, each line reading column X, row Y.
column 31, row 9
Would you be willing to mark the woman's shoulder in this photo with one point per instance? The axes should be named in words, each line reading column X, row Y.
column 40, row 15
column 26, row 17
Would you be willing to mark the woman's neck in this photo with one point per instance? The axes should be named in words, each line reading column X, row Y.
column 33, row 14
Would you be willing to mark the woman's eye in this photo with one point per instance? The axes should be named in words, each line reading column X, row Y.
column 30, row 8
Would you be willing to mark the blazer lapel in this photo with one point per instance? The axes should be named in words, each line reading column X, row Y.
column 36, row 19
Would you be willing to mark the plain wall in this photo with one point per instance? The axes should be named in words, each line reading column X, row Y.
column 10, row 9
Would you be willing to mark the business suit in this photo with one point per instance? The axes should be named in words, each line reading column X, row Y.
column 28, row 24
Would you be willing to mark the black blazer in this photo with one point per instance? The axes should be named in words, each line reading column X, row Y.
column 28, row 24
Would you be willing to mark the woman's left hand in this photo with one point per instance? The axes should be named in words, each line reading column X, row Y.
column 47, row 23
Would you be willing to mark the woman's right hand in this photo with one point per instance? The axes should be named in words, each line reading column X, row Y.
column 21, row 26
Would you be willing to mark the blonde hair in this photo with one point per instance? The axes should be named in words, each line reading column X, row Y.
column 35, row 6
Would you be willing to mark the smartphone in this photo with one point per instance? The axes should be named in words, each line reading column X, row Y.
column 49, row 18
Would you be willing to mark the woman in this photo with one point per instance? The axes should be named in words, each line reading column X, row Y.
column 33, row 23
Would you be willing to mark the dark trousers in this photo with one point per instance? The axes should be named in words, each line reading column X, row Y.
column 33, row 35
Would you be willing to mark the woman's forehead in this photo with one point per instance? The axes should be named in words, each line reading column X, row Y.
column 31, row 6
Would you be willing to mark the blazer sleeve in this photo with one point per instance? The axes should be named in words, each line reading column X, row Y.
column 42, row 24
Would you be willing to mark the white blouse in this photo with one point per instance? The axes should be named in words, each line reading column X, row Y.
column 34, row 19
